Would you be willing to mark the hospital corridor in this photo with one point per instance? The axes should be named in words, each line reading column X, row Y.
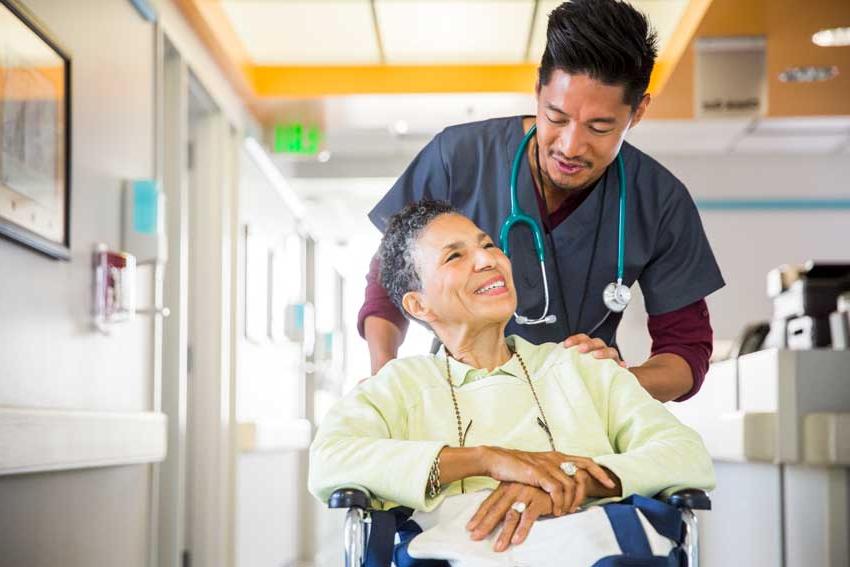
column 424, row 283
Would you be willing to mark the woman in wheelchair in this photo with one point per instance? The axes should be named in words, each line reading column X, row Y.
column 494, row 442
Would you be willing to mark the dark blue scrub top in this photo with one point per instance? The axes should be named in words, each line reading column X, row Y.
column 666, row 249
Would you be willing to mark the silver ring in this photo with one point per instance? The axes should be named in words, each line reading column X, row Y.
column 569, row 468
column 518, row 507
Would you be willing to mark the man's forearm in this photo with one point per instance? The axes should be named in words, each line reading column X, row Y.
column 383, row 338
column 665, row 376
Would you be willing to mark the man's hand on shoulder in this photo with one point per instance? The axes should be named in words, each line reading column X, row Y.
column 596, row 347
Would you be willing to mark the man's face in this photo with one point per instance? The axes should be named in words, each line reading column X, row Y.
column 466, row 279
column 581, row 124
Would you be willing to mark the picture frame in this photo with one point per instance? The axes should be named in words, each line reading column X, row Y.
column 35, row 134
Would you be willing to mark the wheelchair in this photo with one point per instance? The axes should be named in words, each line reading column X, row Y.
column 361, row 522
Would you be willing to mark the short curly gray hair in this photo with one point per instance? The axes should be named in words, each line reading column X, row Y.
column 398, row 266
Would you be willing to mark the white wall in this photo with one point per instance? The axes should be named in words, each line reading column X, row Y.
column 269, row 388
column 749, row 243
column 267, row 384
column 49, row 355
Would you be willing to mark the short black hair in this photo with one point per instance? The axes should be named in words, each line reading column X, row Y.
column 398, row 267
column 608, row 40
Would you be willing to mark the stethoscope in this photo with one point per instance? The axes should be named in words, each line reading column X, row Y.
column 616, row 295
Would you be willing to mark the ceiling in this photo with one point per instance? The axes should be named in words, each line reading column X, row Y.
column 283, row 55
column 275, row 51
column 363, row 32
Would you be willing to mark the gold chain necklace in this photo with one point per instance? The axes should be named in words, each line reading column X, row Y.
column 461, row 434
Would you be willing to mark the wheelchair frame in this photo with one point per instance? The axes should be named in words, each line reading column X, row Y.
column 358, row 521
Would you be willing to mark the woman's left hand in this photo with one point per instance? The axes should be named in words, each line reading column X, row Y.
column 596, row 346
column 498, row 507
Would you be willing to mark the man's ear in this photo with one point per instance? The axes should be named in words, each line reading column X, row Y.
column 640, row 111
column 414, row 304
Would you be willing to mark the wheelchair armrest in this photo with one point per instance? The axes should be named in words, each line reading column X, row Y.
column 691, row 498
column 349, row 498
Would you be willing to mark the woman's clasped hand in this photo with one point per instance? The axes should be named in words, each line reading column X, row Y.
column 535, row 484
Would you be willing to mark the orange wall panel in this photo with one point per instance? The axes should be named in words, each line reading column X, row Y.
column 791, row 24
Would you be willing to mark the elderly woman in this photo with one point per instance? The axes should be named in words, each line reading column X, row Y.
column 534, row 430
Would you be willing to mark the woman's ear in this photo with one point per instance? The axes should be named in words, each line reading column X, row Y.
column 414, row 304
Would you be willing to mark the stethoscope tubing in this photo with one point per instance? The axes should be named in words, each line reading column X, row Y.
column 517, row 215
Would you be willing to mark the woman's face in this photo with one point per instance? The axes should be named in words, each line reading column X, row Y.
column 466, row 279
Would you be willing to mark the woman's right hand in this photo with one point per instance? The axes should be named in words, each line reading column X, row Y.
column 543, row 470
column 498, row 509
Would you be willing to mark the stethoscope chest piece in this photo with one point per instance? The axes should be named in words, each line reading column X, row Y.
column 617, row 296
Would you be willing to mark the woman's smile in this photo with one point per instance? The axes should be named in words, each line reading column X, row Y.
column 493, row 286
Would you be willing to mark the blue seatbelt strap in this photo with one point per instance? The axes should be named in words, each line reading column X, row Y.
column 379, row 549
column 631, row 537
column 628, row 530
column 630, row 534
column 666, row 519
column 406, row 532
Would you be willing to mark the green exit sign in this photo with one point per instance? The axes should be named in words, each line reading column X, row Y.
column 296, row 138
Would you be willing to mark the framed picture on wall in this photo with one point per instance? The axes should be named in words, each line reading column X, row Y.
column 35, row 134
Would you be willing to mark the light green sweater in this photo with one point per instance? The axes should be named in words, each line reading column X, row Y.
column 385, row 434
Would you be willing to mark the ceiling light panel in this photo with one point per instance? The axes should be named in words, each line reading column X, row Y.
column 306, row 32
column 453, row 31
column 664, row 16
column 538, row 34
